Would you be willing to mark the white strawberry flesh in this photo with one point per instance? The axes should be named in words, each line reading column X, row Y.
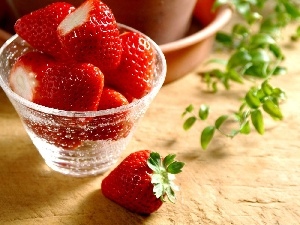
column 23, row 82
column 75, row 19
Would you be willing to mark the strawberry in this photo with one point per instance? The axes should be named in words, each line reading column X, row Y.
column 39, row 28
column 90, row 34
column 204, row 11
column 64, row 136
column 141, row 181
column 113, row 126
column 111, row 98
column 74, row 87
column 113, row 129
column 134, row 74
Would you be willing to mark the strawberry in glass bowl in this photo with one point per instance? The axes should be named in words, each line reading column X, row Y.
column 80, row 83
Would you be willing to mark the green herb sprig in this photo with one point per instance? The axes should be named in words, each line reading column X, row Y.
column 257, row 101
column 256, row 57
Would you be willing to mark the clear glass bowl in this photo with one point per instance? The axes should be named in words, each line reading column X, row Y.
column 73, row 142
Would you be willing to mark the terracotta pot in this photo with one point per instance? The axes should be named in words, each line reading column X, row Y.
column 185, row 55
column 162, row 20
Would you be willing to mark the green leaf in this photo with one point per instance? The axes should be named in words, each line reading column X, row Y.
column 154, row 162
column 203, row 112
column 272, row 109
column 188, row 109
column 279, row 70
column 226, row 83
column 292, row 9
column 261, row 39
column 168, row 160
column 244, row 9
column 276, row 50
column 206, row 136
column 267, row 88
column 163, row 175
column 252, row 100
column 239, row 59
column 296, row 35
column 214, row 87
column 260, row 94
column 220, row 121
column 224, row 38
column 259, row 56
column 268, row 26
column 217, row 61
column 235, row 76
column 260, row 70
column 189, row 122
column 279, row 94
column 240, row 30
column 219, row 3
column 258, row 121
column 245, row 128
column 170, row 194
column 175, row 167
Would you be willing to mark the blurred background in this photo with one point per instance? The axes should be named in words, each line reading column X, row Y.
column 11, row 10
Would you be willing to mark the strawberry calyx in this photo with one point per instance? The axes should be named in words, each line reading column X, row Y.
column 163, row 175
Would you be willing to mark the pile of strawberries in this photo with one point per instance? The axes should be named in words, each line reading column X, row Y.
column 80, row 61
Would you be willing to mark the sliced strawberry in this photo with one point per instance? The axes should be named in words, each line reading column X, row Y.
column 39, row 28
column 73, row 87
column 37, row 77
column 113, row 126
column 90, row 34
column 134, row 74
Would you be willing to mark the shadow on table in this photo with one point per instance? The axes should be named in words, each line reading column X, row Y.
column 32, row 192
column 97, row 209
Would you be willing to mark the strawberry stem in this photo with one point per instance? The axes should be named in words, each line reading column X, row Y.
column 163, row 175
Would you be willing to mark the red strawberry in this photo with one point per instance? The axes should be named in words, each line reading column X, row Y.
column 39, row 28
column 75, row 87
column 64, row 136
column 90, row 34
column 113, row 126
column 134, row 74
column 141, row 181
column 107, row 128
column 111, row 98
column 204, row 11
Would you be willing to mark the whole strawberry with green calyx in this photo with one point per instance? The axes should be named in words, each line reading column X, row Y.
column 142, row 180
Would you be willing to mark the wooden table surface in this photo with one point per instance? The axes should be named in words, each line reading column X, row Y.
column 248, row 180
